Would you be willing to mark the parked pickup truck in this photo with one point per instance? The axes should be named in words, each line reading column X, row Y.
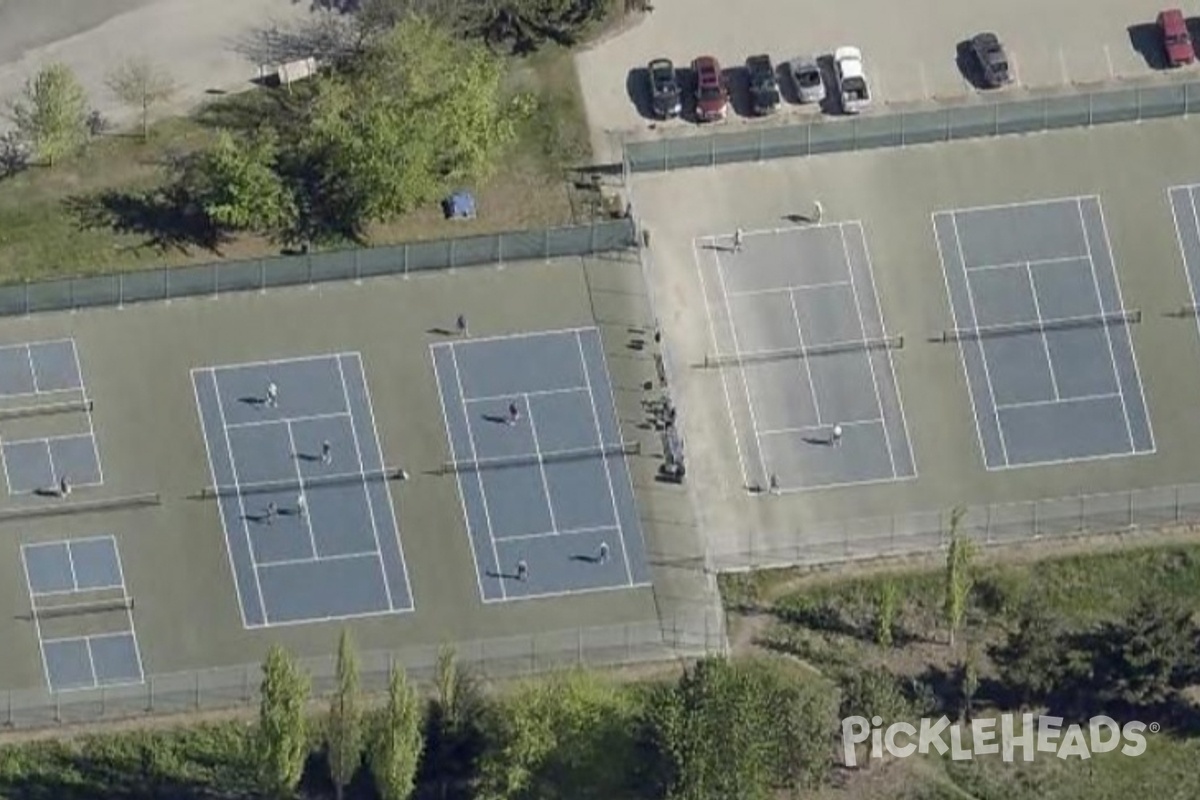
column 852, row 80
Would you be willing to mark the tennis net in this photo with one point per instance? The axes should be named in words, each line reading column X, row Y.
column 816, row 350
column 46, row 409
column 501, row 462
column 1065, row 323
column 298, row 485
column 79, row 609
column 52, row 507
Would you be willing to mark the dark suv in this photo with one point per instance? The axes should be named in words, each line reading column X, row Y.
column 764, row 89
column 991, row 59
column 664, row 88
column 712, row 98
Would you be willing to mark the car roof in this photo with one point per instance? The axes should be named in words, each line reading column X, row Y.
column 1172, row 17
column 661, row 63
column 847, row 52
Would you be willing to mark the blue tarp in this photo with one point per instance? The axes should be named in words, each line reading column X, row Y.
column 460, row 205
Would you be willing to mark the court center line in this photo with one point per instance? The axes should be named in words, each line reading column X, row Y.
column 387, row 588
column 487, row 514
column 825, row 428
column 1049, row 262
column 541, row 462
column 301, row 491
column 254, row 423
column 616, row 528
column 71, row 566
column 790, row 288
column 1112, row 354
column 987, row 373
column 54, row 476
column 1041, row 321
column 805, row 366
column 737, row 349
column 240, row 497
column 1084, row 398
column 612, row 494
column 37, row 621
column 862, row 329
column 32, row 369
column 496, row 398
column 288, row 562
column 87, row 645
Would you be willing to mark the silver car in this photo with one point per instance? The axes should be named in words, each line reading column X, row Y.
column 807, row 78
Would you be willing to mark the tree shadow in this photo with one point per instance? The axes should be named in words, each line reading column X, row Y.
column 167, row 218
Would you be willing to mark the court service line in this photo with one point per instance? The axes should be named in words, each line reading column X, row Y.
column 366, row 489
column 280, row 420
column 1050, row 201
column 1037, row 262
column 862, row 329
column 825, row 428
column 1112, row 353
column 612, row 494
column 616, row 528
column 987, row 372
column 247, row 366
column 1084, row 398
column 1041, row 320
column 800, row 287
column 302, row 491
column 507, row 336
column 487, row 514
column 496, row 398
column 289, row 562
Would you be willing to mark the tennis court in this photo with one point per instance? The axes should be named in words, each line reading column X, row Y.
column 1186, row 216
column 1043, row 332
column 304, row 495
column 805, row 358
column 535, row 446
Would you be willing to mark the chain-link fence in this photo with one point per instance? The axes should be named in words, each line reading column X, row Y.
column 120, row 288
column 895, row 129
column 994, row 524
column 681, row 636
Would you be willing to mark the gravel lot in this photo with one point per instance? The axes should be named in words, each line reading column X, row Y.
column 909, row 47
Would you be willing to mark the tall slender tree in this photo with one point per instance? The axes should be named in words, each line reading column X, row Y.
column 51, row 113
column 960, row 557
column 398, row 742
column 282, row 726
column 344, row 737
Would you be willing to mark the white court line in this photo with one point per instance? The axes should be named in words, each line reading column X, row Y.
column 366, row 489
column 1059, row 462
column 1083, row 398
column 573, row 592
column 487, row 514
column 391, row 508
column 496, row 398
column 786, row 230
column 821, row 487
column 1037, row 262
column 1112, row 353
column 287, row 623
column 281, row 485
column 822, row 428
column 32, row 369
column 54, row 476
column 289, row 562
column 712, row 332
column 90, row 421
column 1037, row 310
column 137, row 649
column 887, row 353
column 862, row 329
column 741, row 368
column 303, row 418
column 7, row 480
column 240, row 497
column 987, row 373
column 566, row 532
column 271, row 362
column 503, row 337
column 1049, row 201
column 462, row 497
column 71, row 567
column 37, row 623
column 302, row 492
column 541, row 463
column 612, row 494
column 806, row 367
column 801, row 287
column 87, row 645
column 1137, row 372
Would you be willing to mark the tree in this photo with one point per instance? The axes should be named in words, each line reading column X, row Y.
column 141, row 84
column 959, row 579
column 282, row 726
column 1149, row 654
column 885, row 615
column 51, row 114
column 395, row 751
column 1030, row 661
column 454, row 737
column 344, row 737
column 236, row 184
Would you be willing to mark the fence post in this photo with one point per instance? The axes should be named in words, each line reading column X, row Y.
column 120, row 290
column 357, row 267
column 1091, row 98
column 9, row 720
column 150, row 694
column 57, row 707
column 592, row 240
column 196, row 696
column 579, row 647
column 71, row 294
column 712, row 151
column 246, row 685
column 25, row 297
column 404, row 261
column 1036, row 532
column 262, row 276
column 500, row 249
column 545, row 244
column 103, row 702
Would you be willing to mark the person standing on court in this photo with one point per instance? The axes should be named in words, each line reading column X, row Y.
column 738, row 236
column 64, row 487
column 272, row 512
column 522, row 570
column 514, row 414
column 326, row 452
column 272, row 395
column 461, row 325
column 602, row 556
column 818, row 212
column 301, row 506
column 835, row 435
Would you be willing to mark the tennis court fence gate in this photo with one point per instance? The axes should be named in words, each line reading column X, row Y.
column 682, row 636
column 1130, row 511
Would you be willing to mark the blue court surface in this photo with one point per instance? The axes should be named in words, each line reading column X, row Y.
column 549, row 487
column 35, row 368
column 1043, row 333
column 302, row 489
column 82, row 579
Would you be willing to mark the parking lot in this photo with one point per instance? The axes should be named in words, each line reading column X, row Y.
column 909, row 48
column 1052, row 229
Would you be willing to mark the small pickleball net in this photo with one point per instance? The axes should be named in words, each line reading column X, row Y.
column 1129, row 316
column 716, row 360
column 503, row 462
column 55, row 507
column 298, row 485
column 83, row 609
column 46, row 409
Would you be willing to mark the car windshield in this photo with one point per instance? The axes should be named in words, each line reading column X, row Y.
column 1177, row 38
column 710, row 93
column 809, row 78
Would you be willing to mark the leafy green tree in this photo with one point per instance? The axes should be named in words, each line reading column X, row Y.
column 873, row 691
column 527, row 24
column 344, row 736
column 571, row 736
column 395, row 751
column 51, row 114
column 960, row 556
column 454, row 737
column 885, row 615
column 141, row 84
column 236, row 184
column 282, row 726
column 1149, row 654
column 1030, row 662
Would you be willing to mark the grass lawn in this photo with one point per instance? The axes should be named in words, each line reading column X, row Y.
column 52, row 223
